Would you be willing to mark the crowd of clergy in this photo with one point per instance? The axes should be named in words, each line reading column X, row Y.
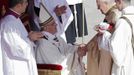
column 38, row 38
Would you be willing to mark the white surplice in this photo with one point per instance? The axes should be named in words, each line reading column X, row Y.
column 121, row 46
column 52, row 52
column 17, row 49
column 66, row 17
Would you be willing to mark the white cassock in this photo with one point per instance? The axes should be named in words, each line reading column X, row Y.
column 72, row 2
column 121, row 46
column 66, row 17
column 18, row 54
column 52, row 52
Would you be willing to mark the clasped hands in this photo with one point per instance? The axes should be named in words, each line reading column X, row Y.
column 34, row 35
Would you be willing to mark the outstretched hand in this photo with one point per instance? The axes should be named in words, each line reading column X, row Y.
column 33, row 36
column 59, row 10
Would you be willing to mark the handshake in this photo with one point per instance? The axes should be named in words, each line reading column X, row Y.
column 82, row 50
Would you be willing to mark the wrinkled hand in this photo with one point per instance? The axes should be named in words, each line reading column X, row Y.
column 33, row 36
column 82, row 49
column 60, row 10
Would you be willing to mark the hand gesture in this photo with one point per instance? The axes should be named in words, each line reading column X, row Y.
column 82, row 49
column 59, row 10
column 33, row 36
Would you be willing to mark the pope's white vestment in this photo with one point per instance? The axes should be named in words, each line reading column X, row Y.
column 18, row 54
column 66, row 17
column 121, row 46
column 52, row 52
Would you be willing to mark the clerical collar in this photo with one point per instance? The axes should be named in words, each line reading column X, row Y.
column 13, row 13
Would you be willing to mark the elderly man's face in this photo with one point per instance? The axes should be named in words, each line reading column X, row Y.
column 51, row 27
column 102, row 6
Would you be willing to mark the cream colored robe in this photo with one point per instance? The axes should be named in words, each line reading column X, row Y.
column 93, row 57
